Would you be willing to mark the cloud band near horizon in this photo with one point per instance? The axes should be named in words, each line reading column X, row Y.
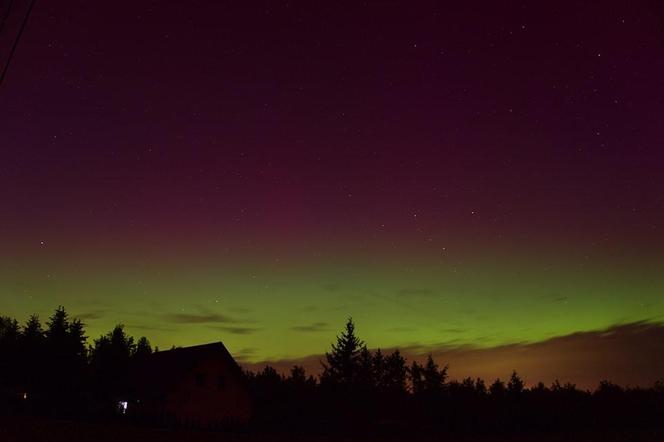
column 627, row 354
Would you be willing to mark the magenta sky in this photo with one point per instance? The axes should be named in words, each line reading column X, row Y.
column 397, row 161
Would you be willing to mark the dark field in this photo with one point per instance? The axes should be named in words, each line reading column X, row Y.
column 42, row 430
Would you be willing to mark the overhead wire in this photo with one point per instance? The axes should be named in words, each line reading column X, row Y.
column 18, row 37
column 6, row 15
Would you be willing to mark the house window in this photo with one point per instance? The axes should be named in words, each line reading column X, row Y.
column 200, row 380
column 221, row 382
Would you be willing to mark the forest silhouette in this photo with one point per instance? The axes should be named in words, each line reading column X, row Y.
column 52, row 371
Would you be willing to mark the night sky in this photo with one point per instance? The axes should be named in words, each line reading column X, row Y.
column 453, row 176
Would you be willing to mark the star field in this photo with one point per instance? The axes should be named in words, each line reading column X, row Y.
column 475, row 174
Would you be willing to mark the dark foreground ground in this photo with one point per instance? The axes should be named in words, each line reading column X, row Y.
column 43, row 430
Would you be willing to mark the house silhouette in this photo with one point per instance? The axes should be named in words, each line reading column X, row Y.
column 201, row 386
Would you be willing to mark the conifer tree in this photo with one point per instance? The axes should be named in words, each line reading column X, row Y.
column 378, row 369
column 365, row 378
column 343, row 362
column 515, row 385
column 497, row 389
column 434, row 378
column 33, row 333
column 9, row 351
column 396, row 372
column 56, row 332
column 32, row 350
column 416, row 378
column 143, row 348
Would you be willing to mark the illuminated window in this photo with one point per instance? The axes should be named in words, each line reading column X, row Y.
column 122, row 406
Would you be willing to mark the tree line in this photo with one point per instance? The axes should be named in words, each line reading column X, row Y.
column 51, row 370
column 360, row 388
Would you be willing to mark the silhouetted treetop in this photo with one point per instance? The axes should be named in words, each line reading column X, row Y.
column 51, row 372
column 434, row 378
column 143, row 347
column 33, row 333
column 515, row 385
column 497, row 389
column 396, row 373
column 57, row 328
column 343, row 362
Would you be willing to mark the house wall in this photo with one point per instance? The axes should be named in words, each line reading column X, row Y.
column 210, row 394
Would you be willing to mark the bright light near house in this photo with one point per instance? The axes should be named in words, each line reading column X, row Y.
column 122, row 406
column 25, row 396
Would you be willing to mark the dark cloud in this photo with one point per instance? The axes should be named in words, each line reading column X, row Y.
column 237, row 330
column 628, row 354
column 197, row 318
column 90, row 315
column 415, row 292
column 312, row 364
column 244, row 353
column 149, row 327
column 315, row 327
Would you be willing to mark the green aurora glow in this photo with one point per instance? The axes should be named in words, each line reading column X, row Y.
column 292, row 308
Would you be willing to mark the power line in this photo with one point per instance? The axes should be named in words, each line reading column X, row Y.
column 18, row 37
column 6, row 16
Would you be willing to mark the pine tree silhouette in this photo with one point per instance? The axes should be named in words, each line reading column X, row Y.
column 33, row 353
column 109, row 359
column 416, row 378
column 9, row 357
column 143, row 348
column 395, row 372
column 515, row 385
column 343, row 362
column 434, row 378
column 66, row 353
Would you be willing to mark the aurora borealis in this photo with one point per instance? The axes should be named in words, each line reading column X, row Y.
column 449, row 176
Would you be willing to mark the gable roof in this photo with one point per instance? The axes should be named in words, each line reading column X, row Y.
column 158, row 373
